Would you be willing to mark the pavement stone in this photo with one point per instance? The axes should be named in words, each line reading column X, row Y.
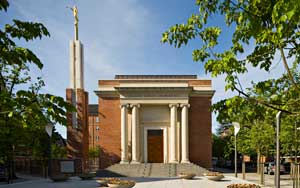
column 141, row 183
column 285, row 180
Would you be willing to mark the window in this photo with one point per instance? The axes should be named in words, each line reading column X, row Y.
column 97, row 138
column 97, row 128
column 97, row 119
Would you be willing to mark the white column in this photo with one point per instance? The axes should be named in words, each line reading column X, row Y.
column 124, row 134
column 173, row 121
column 184, row 134
column 135, row 133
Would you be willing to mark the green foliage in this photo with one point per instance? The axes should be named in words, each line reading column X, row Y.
column 22, row 107
column 270, row 26
column 262, row 138
column 40, row 146
column 58, row 152
column 218, row 146
column 94, row 152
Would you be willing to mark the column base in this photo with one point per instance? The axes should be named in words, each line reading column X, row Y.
column 124, row 162
column 135, row 162
column 175, row 162
column 185, row 161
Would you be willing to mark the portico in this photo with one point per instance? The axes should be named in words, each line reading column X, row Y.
column 175, row 133
column 159, row 119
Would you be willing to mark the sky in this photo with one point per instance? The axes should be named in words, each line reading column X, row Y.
column 119, row 37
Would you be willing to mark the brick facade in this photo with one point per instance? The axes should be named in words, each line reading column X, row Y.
column 77, row 138
column 200, row 136
column 110, row 132
column 109, row 121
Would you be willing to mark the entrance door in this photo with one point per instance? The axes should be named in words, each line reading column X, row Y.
column 155, row 146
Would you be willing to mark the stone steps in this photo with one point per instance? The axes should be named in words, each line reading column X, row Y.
column 150, row 170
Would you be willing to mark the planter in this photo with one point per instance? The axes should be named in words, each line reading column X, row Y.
column 186, row 176
column 121, row 184
column 104, row 181
column 59, row 178
column 243, row 186
column 214, row 176
column 87, row 176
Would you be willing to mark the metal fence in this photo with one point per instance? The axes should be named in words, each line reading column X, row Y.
column 295, row 174
column 30, row 166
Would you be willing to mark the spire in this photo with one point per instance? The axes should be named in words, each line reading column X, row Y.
column 76, row 57
column 75, row 14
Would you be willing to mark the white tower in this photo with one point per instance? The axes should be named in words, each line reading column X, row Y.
column 76, row 65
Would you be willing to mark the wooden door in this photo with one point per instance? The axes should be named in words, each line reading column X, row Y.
column 155, row 146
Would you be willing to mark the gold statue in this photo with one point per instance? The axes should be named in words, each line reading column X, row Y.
column 75, row 14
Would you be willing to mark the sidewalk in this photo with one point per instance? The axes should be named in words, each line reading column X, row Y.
column 37, row 182
column 22, row 178
column 140, row 183
column 285, row 180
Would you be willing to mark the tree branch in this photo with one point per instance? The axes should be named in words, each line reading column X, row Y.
column 288, row 69
column 248, row 97
column 14, row 81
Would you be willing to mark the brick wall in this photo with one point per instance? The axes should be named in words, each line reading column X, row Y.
column 93, row 132
column 77, row 138
column 200, row 136
column 110, row 130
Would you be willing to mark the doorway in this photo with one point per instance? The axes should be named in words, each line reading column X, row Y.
column 155, row 146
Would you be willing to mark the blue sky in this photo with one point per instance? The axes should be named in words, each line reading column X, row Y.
column 119, row 37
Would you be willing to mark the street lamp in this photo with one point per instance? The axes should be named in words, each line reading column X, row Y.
column 237, row 127
column 277, row 167
column 296, row 142
column 49, row 128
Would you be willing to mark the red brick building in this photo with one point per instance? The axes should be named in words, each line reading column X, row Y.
column 94, row 126
column 152, row 118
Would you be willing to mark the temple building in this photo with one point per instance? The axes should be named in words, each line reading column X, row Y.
column 153, row 119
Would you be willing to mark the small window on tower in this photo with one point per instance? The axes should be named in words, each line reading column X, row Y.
column 97, row 128
column 97, row 138
column 97, row 119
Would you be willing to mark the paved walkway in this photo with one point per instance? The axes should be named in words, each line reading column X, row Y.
column 141, row 183
column 285, row 180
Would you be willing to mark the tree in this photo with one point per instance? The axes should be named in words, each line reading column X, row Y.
column 22, row 106
column 218, row 146
column 271, row 26
column 94, row 153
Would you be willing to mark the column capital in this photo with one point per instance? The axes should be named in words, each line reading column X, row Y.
column 124, row 105
column 135, row 105
column 185, row 105
column 173, row 105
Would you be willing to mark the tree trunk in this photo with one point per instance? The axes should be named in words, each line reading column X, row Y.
column 10, row 167
column 258, row 163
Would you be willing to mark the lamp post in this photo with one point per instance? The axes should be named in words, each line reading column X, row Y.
column 49, row 128
column 277, row 167
column 236, row 130
column 296, row 141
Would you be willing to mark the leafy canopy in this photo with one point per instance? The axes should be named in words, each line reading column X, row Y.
column 272, row 26
column 23, row 108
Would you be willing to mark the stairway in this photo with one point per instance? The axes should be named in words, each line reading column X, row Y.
column 150, row 170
